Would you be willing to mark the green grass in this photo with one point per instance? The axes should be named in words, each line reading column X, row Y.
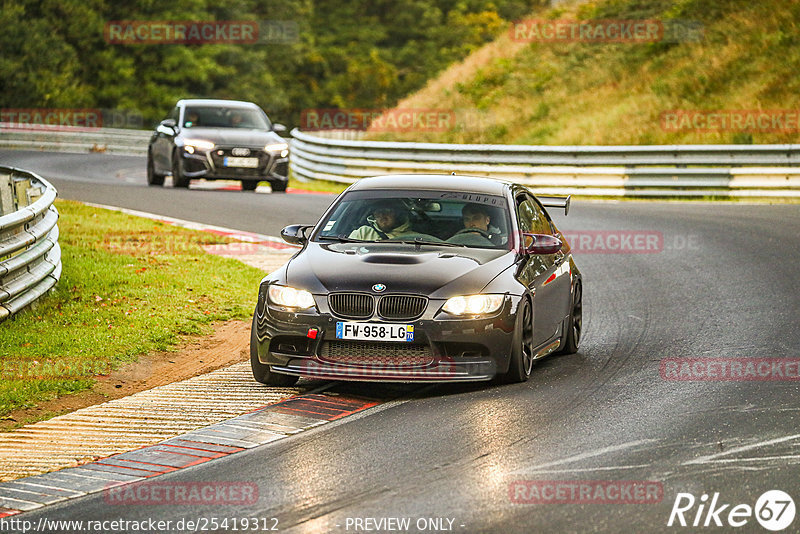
column 129, row 286
column 322, row 186
column 581, row 93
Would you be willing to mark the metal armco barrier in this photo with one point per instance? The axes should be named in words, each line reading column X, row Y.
column 649, row 170
column 30, row 258
column 67, row 139
column 656, row 170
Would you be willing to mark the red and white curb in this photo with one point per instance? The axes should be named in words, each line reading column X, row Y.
column 240, row 235
column 262, row 426
column 137, row 420
column 236, row 186
column 257, row 250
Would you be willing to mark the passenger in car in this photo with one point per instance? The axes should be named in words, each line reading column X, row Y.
column 236, row 120
column 389, row 219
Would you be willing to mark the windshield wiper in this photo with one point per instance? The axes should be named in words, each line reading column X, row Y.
column 343, row 239
column 417, row 241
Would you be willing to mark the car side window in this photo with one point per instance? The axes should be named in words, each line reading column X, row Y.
column 542, row 222
column 175, row 114
column 531, row 217
column 524, row 215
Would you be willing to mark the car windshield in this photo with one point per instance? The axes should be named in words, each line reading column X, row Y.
column 225, row 117
column 442, row 218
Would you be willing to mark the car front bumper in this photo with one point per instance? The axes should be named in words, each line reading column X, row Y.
column 210, row 166
column 445, row 349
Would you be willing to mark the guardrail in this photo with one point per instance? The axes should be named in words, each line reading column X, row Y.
column 652, row 171
column 30, row 258
column 71, row 139
column 656, row 170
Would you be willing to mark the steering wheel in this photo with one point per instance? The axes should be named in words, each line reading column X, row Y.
column 484, row 233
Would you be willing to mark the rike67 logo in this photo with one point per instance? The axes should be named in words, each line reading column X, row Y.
column 774, row 510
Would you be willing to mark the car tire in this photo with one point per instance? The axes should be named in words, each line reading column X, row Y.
column 178, row 179
column 152, row 177
column 572, row 335
column 249, row 185
column 519, row 368
column 278, row 186
column 261, row 371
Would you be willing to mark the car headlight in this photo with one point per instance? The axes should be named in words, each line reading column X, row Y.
column 283, row 148
column 190, row 145
column 473, row 304
column 290, row 297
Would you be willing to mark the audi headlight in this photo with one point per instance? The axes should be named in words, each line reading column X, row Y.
column 290, row 297
column 473, row 304
column 283, row 148
column 190, row 145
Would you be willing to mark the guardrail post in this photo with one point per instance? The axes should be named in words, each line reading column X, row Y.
column 7, row 204
column 21, row 188
column 33, row 194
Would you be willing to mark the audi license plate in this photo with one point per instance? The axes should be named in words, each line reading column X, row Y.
column 374, row 332
column 231, row 161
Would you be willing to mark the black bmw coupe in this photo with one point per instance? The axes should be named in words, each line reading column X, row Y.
column 218, row 140
column 420, row 278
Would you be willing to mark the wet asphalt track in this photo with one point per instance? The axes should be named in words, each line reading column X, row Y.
column 724, row 286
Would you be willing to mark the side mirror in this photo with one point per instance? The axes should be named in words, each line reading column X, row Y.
column 295, row 234
column 540, row 243
column 167, row 127
column 278, row 128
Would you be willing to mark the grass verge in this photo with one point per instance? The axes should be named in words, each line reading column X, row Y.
column 321, row 186
column 129, row 286
column 743, row 58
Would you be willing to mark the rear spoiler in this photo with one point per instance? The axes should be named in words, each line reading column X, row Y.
column 556, row 202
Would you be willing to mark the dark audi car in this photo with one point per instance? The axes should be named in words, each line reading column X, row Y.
column 420, row 278
column 218, row 140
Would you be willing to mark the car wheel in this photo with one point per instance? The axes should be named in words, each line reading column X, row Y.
column 519, row 369
column 178, row 179
column 278, row 186
column 572, row 336
column 249, row 185
column 152, row 177
column 261, row 371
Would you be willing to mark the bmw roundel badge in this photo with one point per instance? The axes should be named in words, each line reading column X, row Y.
column 379, row 287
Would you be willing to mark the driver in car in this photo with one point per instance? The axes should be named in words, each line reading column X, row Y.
column 478, row 229
column 389, row 219
column 191, row 119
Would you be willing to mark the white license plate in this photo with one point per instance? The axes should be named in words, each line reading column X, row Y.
column 231, row 161
column 374, row 331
